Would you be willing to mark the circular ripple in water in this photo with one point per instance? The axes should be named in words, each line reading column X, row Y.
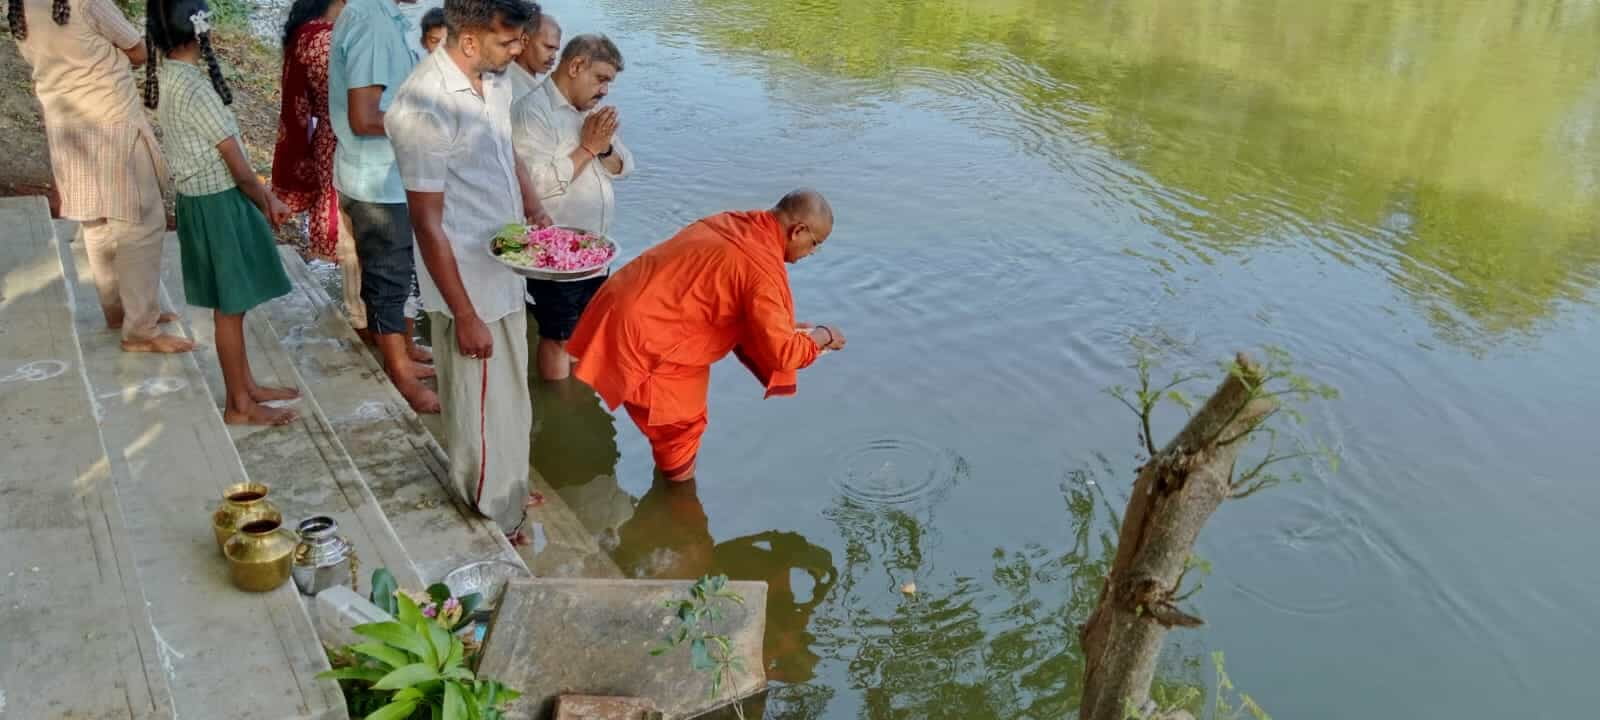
column 897, row 471
column 1307, row 566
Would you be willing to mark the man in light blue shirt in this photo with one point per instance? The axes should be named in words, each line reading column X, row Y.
column 369, row 58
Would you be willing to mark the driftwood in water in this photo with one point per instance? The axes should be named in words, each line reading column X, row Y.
column 1175, row 494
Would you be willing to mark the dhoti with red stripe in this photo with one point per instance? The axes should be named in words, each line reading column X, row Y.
column 488, row 416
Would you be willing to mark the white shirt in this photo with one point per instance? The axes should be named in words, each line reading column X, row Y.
column 449, row 139
column 522, row 82
column 546, row 129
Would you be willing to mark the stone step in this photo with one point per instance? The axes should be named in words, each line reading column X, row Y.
column 223, row 651
column 561, row 545
column 399, row 461
column 76, row 638
column 564, row 636
column 304, row 464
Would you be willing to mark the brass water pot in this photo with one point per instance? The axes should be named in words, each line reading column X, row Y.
column 260, row 554
column 241, row 504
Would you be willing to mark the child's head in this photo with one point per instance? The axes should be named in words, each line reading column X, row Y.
column 433, row 29
column 173, row 26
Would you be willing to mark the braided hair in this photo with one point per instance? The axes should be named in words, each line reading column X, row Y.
column 17, row 18
column 169, row 25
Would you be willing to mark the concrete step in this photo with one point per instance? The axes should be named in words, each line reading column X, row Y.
column 76, row 638
column 399, row 461
column 561, row 547
column 304, row 464
column 225, row 653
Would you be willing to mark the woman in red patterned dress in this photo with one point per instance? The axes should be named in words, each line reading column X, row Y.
column 302, row 163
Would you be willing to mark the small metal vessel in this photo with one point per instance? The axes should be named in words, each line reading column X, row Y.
column 241, row 503
column 259, row 554
column 323, row 558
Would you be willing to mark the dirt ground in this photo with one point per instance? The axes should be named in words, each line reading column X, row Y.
column 252, row 67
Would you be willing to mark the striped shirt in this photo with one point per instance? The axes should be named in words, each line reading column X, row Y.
column 92, row 116
column 193, row 122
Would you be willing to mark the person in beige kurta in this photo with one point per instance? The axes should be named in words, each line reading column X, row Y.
column 108, row 168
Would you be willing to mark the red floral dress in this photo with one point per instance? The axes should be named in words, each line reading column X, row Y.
column 302, row 162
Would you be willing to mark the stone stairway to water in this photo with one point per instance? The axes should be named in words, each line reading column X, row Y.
column 114, row 600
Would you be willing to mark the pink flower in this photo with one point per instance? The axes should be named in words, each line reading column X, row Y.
column 561, row 249
column 430, row 611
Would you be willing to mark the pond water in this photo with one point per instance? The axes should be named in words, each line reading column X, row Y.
column 1399, row 193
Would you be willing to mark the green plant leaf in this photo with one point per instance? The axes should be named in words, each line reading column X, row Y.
column 659, row 651
column 410, row 693
column 389, row 656
column 439, row 592
column 461, row 673
column 395, row 635
column 700, row 658
column 440, row 641
column 407, row 676
column 458, row 650
column 455, row 706
column 409, row 614
column 364, row 674
column 383, row 589
column 394, row 711
column 436, row 712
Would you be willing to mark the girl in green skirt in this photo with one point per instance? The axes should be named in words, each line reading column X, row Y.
column 230, row 259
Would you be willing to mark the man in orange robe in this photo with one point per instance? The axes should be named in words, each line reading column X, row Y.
column 650, row 335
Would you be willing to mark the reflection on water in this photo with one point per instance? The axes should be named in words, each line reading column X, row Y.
column 1453, row 144
column 1400, row 192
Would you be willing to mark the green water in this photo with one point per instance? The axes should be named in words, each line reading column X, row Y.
column 1400, row 193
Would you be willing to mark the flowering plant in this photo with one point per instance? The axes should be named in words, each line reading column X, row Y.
column 437, row 604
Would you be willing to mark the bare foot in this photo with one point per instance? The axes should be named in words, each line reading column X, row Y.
column 270, row 394
column 423, row 372
column 114, row 319
column 260, row 415
column 534, row 500
column 518, row 538
column 418, row 353
column 162, row 343
column 422, row 399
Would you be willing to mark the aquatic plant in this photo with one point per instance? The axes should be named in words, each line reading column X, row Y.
column 709, row 652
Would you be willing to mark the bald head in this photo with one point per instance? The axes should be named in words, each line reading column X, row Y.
column 805, row 205
column 807, row 221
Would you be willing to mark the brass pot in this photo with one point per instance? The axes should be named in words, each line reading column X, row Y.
column 260, row 554
column 241, row 504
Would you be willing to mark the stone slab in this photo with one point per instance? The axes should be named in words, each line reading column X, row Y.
column 75, row 636
column 247, row 655
column 590, row 707
column 563, row 636
column 399, row 461
column 304, row 464
column 338, row 610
